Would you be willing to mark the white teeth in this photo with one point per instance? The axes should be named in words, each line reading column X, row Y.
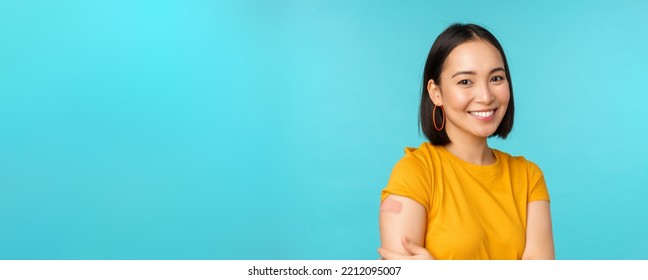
column 483, row 114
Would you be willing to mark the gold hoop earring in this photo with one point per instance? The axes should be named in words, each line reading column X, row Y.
column 434, row 118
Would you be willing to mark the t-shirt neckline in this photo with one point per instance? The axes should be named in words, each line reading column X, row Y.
column 493, row 168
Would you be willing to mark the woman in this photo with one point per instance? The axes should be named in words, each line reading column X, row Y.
column 454, row 197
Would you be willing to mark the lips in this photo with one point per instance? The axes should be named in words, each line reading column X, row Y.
column 484, row 114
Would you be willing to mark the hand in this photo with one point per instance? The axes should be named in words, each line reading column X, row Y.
column 415, row 252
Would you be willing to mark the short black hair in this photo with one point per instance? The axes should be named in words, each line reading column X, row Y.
column 455, row 35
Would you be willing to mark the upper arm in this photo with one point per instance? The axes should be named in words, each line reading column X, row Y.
column 539, row 236
column 401, row 216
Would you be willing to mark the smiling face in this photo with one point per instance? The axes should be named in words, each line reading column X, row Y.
column 473, row 90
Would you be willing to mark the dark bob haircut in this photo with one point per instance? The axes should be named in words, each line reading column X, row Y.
column 449, row 39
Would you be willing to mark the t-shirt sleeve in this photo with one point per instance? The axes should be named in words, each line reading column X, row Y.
column 410, row 178
column 537, row 186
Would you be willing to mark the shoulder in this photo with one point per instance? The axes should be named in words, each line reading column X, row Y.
column 517, row 161
column 411, row 176
column 520, row 164
column 418, row 158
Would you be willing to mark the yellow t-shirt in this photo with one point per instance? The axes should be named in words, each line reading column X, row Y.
column 473, row 211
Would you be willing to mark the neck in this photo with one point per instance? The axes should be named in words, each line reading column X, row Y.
column 474, row 150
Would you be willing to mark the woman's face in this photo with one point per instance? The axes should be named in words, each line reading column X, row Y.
column 474, row 91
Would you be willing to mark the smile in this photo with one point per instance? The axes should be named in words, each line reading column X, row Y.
column 483, row 115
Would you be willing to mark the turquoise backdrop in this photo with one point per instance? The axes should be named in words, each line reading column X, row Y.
column 188, row 129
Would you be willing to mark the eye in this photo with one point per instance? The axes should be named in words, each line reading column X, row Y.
column 497, row 79
column 464, row 82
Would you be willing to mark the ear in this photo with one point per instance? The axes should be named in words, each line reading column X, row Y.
column 434, row 92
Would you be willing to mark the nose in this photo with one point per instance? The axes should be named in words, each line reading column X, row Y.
column 484, row 94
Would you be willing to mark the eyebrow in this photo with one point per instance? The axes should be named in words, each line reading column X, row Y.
column 474, row 73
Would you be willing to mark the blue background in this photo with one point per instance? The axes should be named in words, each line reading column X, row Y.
column 267, row 129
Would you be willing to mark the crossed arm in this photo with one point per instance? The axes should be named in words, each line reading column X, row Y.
column 539, row 236
column 402, row 229
column 403, row 222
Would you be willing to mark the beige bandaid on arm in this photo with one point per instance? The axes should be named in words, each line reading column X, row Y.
column 401, row 216
column 391, row 205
